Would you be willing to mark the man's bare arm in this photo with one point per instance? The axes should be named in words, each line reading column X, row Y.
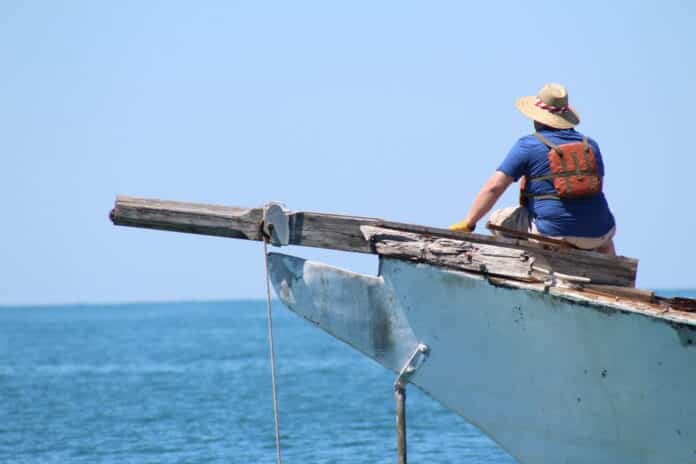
column 486, row 198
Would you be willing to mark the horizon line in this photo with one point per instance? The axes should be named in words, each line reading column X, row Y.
column 674, row 291
column 132, row 302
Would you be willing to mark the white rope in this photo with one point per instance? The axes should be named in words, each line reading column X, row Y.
column 272, row 351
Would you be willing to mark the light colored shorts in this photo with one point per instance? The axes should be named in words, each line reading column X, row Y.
column 518, row 218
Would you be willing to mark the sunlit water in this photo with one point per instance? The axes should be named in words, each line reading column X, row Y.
column 190, row 383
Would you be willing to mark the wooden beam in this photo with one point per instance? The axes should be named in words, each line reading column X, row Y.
column 454, row 254
column 530, row 264
column 193, row 218
column 333, row 231
column 342, row 232
column 549, row 256
column 320, row 230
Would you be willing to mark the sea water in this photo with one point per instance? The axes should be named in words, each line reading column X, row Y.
column 190, row 383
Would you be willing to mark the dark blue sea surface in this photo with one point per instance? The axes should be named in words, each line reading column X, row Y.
column 190, row 383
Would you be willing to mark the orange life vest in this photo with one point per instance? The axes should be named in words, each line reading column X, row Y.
column 573, row 170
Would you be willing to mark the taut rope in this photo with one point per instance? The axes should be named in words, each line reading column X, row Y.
column 272, row 351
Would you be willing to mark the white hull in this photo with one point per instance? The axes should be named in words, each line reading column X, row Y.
column 553, row 377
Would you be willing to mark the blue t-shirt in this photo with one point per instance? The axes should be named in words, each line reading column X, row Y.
column 580, row 217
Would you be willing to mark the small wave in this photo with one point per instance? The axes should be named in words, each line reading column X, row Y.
column 133, row 368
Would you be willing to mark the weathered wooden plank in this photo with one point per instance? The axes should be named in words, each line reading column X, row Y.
column 619, row 261
column 452, row 253
column 331, row 231
column 306, row 228
column 517, row 263
column 194, row 218
column 342, row 232
column 613, row 270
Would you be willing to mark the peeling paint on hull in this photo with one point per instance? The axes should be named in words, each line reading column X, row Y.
column 550, row 377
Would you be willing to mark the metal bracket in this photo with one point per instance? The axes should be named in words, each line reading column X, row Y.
column 276, row 224
column 415, row 361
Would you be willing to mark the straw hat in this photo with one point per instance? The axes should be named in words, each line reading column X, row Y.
column 550, row 107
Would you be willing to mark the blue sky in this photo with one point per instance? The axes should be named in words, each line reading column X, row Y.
column 392, row 109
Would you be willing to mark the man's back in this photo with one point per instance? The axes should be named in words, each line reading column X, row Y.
column 581, row 217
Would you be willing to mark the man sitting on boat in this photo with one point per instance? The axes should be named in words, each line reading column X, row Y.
column 561, row 174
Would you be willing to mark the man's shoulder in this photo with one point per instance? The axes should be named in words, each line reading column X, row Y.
column 575, row 135
column 526, row 144
column 526, row 141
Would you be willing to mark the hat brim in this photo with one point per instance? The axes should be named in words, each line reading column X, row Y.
column 564, row 120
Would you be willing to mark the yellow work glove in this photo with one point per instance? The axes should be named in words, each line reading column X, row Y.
column 462, row 226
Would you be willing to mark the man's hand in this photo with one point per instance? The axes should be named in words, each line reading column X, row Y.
column 462, row 226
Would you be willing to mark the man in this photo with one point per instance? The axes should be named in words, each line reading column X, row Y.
column 562, row 172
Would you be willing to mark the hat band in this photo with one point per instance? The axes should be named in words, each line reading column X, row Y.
column 550, row 108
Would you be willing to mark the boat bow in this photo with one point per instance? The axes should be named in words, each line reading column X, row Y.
column 550, row 376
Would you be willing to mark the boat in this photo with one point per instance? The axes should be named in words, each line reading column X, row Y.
column 550, row 351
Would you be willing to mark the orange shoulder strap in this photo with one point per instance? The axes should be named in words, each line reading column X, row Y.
column 553, row 146
column 548, row 143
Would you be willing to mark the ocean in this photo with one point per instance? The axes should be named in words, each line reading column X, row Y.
column 190, row 382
